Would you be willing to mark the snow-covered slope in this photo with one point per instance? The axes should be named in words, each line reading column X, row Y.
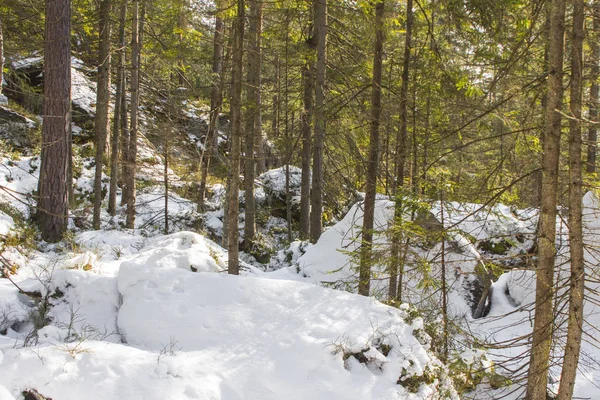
column 153, row 318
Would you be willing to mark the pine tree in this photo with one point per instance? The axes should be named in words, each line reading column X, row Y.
column 53, row 192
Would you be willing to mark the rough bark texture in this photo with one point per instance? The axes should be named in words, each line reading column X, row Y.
column 306, row 128
column 233, row 263
column 576, row 281
column 135, row 85
column 537, row 376
column 53, row 186
column 120, row 88
column 594, row 90
column 364, row 282
column 252, row 110
column 316, row 195
column 102, row 104
column 401, row 156
column 216, row 99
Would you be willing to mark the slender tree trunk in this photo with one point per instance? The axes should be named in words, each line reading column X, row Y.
column 233, row 264
column 114, row 144
column 167, row 138
column 259, row 145
column 216, row 100
column 53, row 192
column 594, row 91
column 537, row 377
column 102, row 104
column 135, row 101
column 1, row 57
column 577, row 279
column 252, row 109
column 444, row 284
column 124, row 139
column 306, row 127
column 276, row 105
column 316, row 195
column 364, row 281
column 401, row 155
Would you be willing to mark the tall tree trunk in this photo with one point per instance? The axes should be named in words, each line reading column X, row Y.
column 102, row 105
column 135, row 102
column 216, row 100
column 537, row 376
column 124, row 139
column 233, row 263
column 259, row 145
column 53, row 200
column 306, row 128
column 252, row 109
column 594, row 91
column 316, row 195
column 114, row 143
column 364, row 282
column 577, row 279
column 401, row 155
column 1, row 57
column 166, row 140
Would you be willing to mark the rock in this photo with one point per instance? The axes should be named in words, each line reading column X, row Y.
column 33, row 394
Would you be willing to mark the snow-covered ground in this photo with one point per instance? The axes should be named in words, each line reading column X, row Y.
column 132, row 314
column 134, row 317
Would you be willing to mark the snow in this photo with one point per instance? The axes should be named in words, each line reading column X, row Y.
column 274, row 179
column 143, row 324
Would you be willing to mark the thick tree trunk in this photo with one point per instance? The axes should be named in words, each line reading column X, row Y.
column 364, row 282
column 594, row 90
column 306, row 128
column 216, row 99
column 252, row 110
column 102, row 105
column 537, row 376
column 120, row 88
column 316, row 195
column 401, row 157
column 135, row 100
column 577, row 279
column 53, row 203
column 233, row 263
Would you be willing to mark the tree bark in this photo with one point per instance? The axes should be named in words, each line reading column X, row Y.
column 577, row 278
column 537, row 376
column 1, row 57
column 167, row 138
column 233, row 264
column 316, row 215
column 252, row 110
column 259, row 145
column 102, row 104
column 53, row 203
column 400, row 157
column 120, row 88
column 133, row 133
column 124, row 139
column 216, row 100
column 306, row 128
column 364, row 282
column 594, row 90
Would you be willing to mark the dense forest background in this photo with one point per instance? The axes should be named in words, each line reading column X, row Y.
column 424, row 103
